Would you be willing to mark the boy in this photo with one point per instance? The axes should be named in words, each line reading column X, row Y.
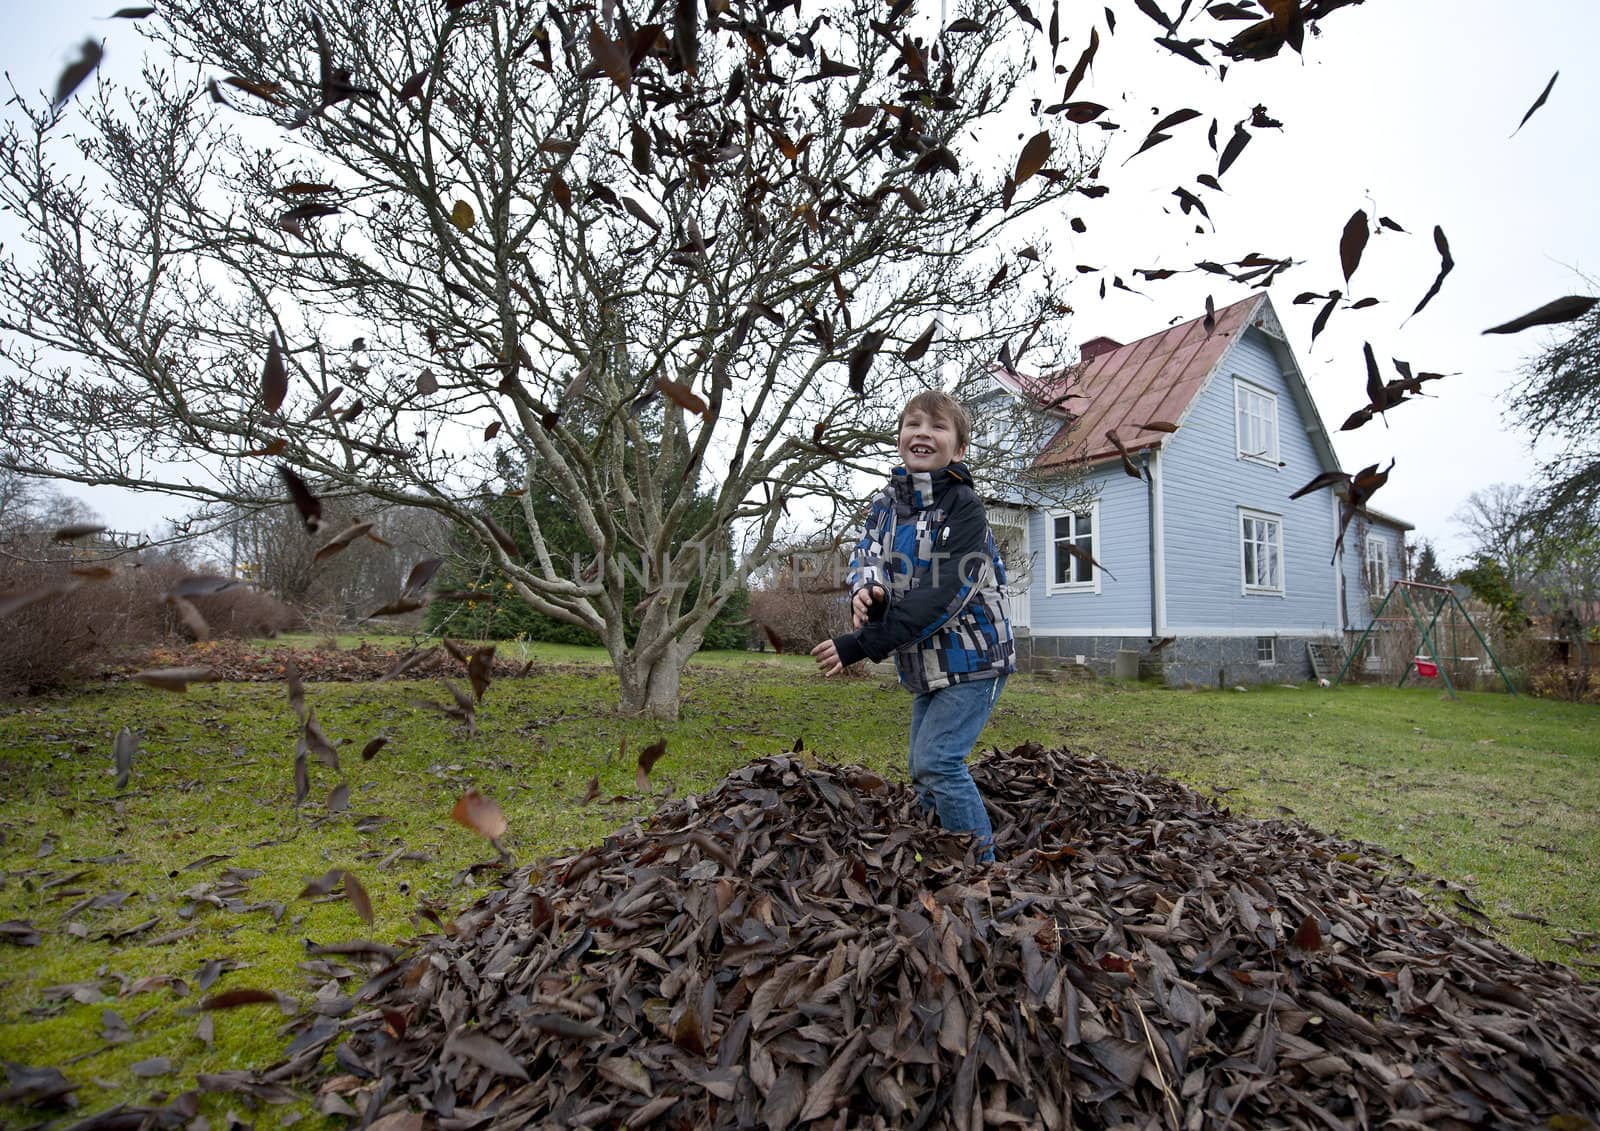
column 926, row 586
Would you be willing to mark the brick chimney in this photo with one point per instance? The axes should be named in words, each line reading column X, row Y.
column 1094, row 347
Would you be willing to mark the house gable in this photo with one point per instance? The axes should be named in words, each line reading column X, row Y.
column 1273, row 573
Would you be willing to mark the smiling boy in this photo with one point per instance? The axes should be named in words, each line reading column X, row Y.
column 926, row 584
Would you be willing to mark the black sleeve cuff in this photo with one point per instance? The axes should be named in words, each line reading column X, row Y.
column 849, row 649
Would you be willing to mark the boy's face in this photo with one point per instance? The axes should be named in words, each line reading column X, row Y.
column 927, row 442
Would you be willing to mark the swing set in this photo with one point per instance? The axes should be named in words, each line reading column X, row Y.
column 1416, row 601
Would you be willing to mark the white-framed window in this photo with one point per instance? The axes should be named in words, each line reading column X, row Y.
column 1261, row 551
column 1256, row 422
column 1073, row 572
column 1377, row 565
column 1266, row 649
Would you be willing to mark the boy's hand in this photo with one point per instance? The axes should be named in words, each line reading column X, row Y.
column 827, row 658
column 860, row 604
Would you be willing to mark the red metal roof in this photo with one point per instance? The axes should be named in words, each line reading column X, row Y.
column 1154, row 378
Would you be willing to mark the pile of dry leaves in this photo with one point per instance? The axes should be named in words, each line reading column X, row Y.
column 798, row 945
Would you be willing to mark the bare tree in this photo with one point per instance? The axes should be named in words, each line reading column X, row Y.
column 644, row 257
column 1493, row 518
column 644, row 249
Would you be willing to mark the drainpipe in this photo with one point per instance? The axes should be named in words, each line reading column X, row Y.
column 1150, row 510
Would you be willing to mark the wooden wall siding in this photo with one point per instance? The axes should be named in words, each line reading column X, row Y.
column 1359, row 607
column 1122, row 546
column 1205, row 483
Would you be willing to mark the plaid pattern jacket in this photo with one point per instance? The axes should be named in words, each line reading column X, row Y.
column 941, row 609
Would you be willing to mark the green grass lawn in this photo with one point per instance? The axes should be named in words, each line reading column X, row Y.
column 1499, row 794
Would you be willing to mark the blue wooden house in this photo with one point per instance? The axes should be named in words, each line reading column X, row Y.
column 1201, row 563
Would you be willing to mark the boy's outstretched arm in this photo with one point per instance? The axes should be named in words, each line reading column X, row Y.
column 960, row 557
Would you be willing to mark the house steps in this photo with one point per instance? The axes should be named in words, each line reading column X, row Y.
column 1327, row 658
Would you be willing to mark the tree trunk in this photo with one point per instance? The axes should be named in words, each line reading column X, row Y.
column 651, row 692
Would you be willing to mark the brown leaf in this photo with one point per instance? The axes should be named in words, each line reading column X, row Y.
column 274, row 378
column 1353, row 242
column 861, row 358
column 683, row 396
column 342, row 540
column 357, row 895
column 191, row 618
column 175, row 679
column 1446, row 264
column 1082, row 66
column 1308, row 936
column 648, row 757
column 73, row 531
column 1159, row 426
column 1537, row 102
column 1032, row 158
column 370, row 750
column 916, row 349
column 232, row 999
column 480, row 814
column 1550, row 314
column 1122, row 449
column 309, row 506
column 88, row 61
column 414, row 86
column 478, row 1046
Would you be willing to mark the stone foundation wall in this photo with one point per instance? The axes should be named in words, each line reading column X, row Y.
column 1206, row 661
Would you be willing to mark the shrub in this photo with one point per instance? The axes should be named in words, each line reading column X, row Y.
column 1565, row 681
column 48, row 643
column 53, row 641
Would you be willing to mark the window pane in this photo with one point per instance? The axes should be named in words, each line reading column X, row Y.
column 1063, row 564
column 1085, row 526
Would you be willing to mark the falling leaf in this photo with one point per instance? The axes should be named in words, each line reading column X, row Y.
column 1537, row 102
column 133, row 13
column 88, row 61
column 1128, row 465
column 480, row 814
column 1235, row 146
column 1032, row 158
column 274, row 380
column 462, row 216
column 861, row 358
column 309, row 506
column 339, row 798
column 1082, row 66
column 427, row 383
column 1353, row 242
column 232, row 999
column 1159, row 426
column 370, row 750
column 413, row 86
column 357, row 895
column 648, row 757
column 683, row 396
column 1446, row 263
column 1550, row 314
column 74, row 531
column 175, row 679
column 342, row 540
column 123, row 749
column 916, row 349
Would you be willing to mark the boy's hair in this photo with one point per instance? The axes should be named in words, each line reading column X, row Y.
column 937, row 403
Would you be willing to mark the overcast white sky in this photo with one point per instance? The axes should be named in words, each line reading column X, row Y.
column 1402, row 106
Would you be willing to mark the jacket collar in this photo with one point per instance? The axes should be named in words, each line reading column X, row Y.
column 916, row 490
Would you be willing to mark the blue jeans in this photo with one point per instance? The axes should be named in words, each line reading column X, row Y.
column 944, row 726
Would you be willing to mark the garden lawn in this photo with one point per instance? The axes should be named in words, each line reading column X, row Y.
column 1501, row 795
